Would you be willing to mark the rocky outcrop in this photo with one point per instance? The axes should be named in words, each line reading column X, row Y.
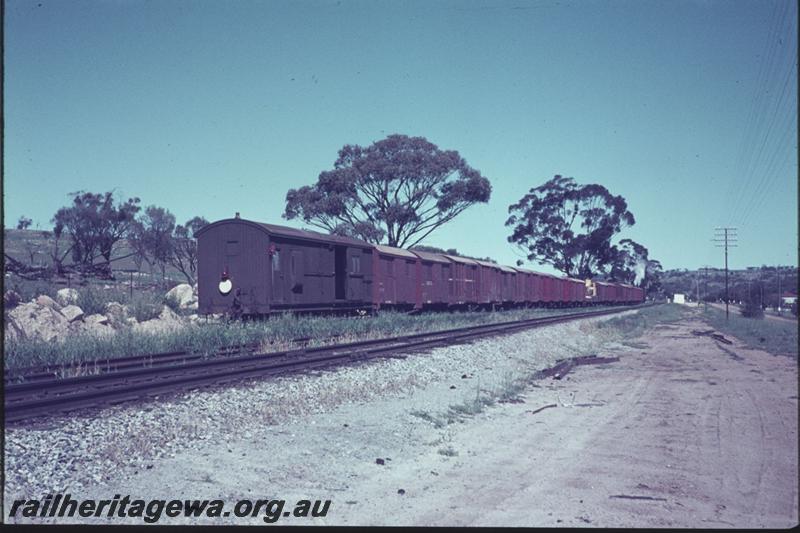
column 167, row 321
column 45, row 319
column 12, row 332
column 46, row 301
column 184, row 295
column 72, row 313
column 97, row 319
column 67, row 296
column 96, row 325
column 35, row 321
column 117, row 314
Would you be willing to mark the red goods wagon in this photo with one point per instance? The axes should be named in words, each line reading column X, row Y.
column 463, row 273
column 634, row 294
column 433, row 284
column 548, row 294
column 603, row 293
column 627, row 293
column 527, row 285
column 558, row 291
column 395, row 280
column 577, row 291
column 488, row 283
column 508, row 285
column 565, row 287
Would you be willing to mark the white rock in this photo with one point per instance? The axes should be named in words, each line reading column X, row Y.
column 96, row 319
column 95, row 327
column 166, row 321
column 46, row 301
column 38, row 321
column 183, row 294
column 168, row 315
column 72, row 313
column 12, row 331
column 116, row 313
column 67, row 296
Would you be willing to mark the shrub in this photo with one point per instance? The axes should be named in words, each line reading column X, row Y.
column 30, row 289
column 92, row 299
column 752, row 309
column 144, row 306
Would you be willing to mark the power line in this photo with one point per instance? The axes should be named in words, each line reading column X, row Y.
column 779, row 146
column 762, row 142
column 755, row 103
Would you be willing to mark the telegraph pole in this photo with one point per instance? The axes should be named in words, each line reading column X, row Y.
column 705, row 287
column 725, row 237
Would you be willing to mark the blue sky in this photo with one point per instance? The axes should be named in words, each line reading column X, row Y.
column 688, row 109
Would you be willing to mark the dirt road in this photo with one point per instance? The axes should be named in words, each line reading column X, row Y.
column 683, row 434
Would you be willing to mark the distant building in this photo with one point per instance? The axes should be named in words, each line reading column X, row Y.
column 788, row 298
column 678, row 298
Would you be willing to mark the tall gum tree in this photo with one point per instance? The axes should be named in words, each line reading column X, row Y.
column 569, row 226
column 396, row 191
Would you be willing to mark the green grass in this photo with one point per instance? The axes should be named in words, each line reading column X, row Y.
column 632, row 326
column 778, row 337
column 273, row 334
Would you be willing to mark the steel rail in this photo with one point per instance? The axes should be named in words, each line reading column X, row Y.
column 27, row 400
column 44, row 373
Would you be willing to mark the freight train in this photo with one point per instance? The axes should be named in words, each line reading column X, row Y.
column 251, row 268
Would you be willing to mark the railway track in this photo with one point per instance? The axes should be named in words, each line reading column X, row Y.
column 41, row 395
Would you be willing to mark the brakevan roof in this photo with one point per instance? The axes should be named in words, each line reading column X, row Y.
column 430, row 256
column 391, row 250
column 294, row 233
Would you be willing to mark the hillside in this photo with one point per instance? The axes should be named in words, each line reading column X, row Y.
column 34, row 248
column 763, row 283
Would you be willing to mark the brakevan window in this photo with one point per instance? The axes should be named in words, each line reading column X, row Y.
column 276, row 261
column 355, row 264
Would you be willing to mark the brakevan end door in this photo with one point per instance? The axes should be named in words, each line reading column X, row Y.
column 296, row 276
column 340, row 272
